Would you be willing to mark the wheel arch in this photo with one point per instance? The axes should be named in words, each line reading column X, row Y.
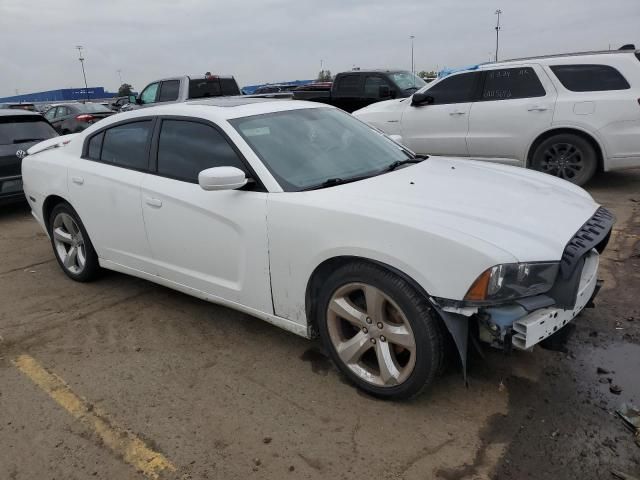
column 48, row 205
column 600, row 152
column 324, row 269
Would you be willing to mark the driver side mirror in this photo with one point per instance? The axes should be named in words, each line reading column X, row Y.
column 134, row 99
column 222, row 178
column 420, row 99
column 384, row 91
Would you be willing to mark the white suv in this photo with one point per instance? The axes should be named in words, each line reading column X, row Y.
column 566, row 115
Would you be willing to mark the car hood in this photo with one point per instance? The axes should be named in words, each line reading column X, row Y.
column 527, row 214
column 396, row 105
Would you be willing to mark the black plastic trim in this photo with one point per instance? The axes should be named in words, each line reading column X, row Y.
column 592, row 234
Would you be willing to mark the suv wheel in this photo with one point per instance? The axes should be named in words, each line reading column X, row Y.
column 71, row 244
column 381, row 333
column 567, row 156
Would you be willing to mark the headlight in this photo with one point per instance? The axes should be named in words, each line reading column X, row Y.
column 513, row 280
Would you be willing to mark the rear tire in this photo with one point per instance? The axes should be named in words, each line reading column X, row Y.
column 382, row 334
column 567, row 156
column 71, row 244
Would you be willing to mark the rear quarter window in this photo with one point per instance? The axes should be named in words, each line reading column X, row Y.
column 590, row 78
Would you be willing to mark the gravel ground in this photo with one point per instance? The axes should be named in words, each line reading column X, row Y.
column 223, row 395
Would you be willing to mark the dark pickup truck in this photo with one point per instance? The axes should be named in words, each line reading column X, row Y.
column 353, row 90
column 19, row 130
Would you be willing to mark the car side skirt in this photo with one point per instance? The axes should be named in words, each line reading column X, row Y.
column 301, row 330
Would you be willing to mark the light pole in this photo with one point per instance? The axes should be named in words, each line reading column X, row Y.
column 120, row 75
column 413, row 70
column 412, row 37
column 81, row 58
column 498, row 12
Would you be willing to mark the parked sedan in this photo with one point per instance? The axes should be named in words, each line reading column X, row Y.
column 19, row 130
column 303, row 216
column 75, row 117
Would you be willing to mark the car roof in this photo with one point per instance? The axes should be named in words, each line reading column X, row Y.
column 10, row 112
column 216, row 109
column 564, row 55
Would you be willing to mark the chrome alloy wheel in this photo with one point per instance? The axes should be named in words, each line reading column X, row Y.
column 371, row 334
column 69, row 243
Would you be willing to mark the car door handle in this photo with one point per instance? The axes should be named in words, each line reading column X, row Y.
column 77, row 180
column 537, row 108
column 153, row 202
column 457, row 112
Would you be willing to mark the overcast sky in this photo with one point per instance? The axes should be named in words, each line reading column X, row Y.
column 261, row 41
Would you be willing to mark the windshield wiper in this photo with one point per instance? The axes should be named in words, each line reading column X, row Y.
column 398, row 163
column 25, row 140
column 332, row 182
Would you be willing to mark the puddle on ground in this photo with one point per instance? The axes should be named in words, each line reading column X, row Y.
column 622, row 360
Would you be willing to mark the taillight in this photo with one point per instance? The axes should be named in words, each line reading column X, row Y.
column 84, row 117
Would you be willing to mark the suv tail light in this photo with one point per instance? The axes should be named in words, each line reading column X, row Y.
column 84, row 117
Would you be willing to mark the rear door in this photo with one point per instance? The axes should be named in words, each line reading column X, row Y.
column 169, row 91
column 516, row 104
column 347, row 92
column 441, row 127
column 104, row 186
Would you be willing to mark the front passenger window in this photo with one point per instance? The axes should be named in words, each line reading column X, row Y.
column 149, row 94
column 455, row 89
column 186, row 148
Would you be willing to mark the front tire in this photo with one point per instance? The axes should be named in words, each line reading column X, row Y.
column 71, row 244
column 566, row 156
column 380, row 332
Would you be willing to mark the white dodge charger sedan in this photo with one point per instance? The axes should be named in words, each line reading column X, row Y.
column 304, row 216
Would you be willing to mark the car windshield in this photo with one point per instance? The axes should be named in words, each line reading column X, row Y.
column 22, row 130
column 315, row 147
column 407, row 80
column 92, row 108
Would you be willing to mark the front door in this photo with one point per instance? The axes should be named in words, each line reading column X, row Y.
column 211, row 241
column 515, row 106
column 440, row 128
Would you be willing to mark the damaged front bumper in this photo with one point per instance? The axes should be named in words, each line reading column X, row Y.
column 522, row 326
column 525, row 322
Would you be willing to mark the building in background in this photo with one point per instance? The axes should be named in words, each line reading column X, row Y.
column 62, row 95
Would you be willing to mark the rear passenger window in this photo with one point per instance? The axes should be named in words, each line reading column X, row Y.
column 95, row 145
column 126, row 145
column 512, row 83
column 590, row 78
column 348, row 86
column 186, row 148
column 169, row 91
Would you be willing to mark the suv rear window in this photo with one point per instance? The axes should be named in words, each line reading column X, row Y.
column 590, row 78
column 14, row 130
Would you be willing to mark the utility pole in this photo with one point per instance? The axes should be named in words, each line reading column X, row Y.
column 120, row 75
column 498, row 12
column 413, row 70
column 81, row 58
